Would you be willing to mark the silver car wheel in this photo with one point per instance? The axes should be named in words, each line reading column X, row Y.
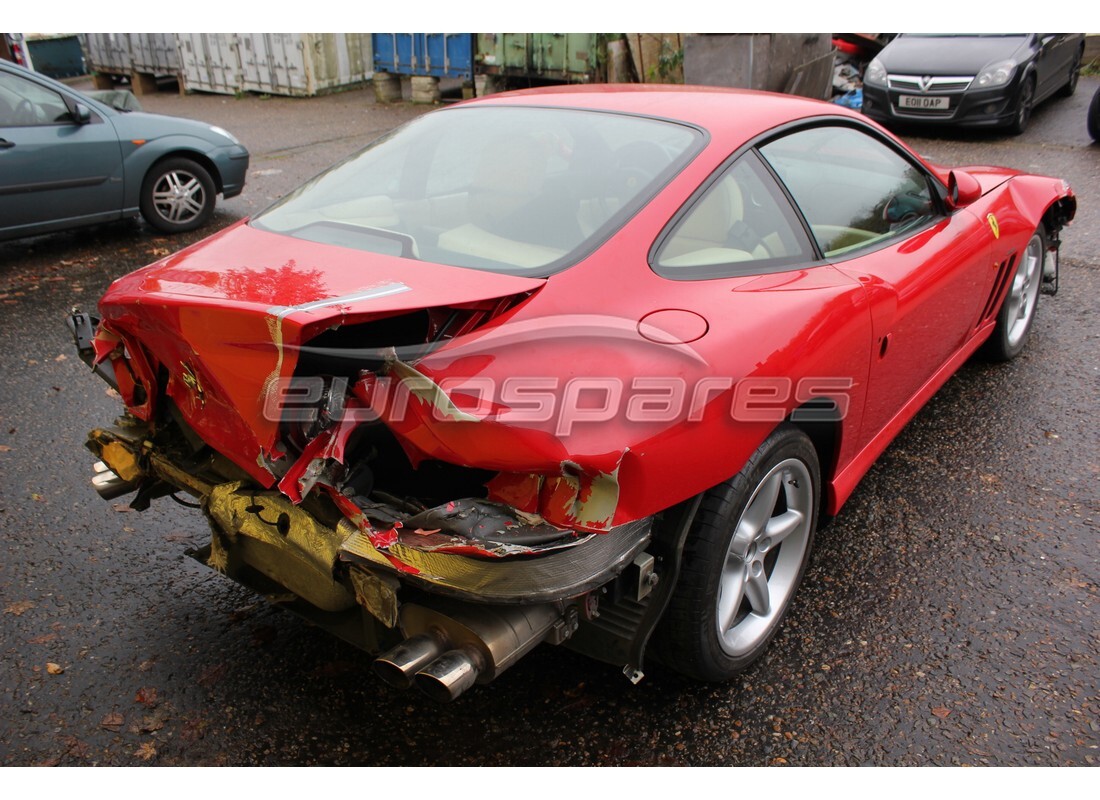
column 1024, row 292
column 763, row 563
column 179, row 196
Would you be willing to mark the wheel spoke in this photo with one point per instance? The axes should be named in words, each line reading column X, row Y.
column 782, row 526
column 192, row 206
column 761, row 507
column 756, row 590
column 731, row 592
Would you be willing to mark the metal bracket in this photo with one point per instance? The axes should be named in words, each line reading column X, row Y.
column 1050, row 285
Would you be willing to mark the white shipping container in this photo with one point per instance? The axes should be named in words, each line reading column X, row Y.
column 155, row 53
column 107, row 52
column 304, row 64
column 294, row 64
column 210, row 62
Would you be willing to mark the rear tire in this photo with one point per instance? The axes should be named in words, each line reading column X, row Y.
column 1070, row 86
column 744, row 560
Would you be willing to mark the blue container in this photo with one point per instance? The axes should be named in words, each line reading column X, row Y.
column 57, row 56
column 442, row 55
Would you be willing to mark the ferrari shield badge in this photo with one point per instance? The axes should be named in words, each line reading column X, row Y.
column 993, row 226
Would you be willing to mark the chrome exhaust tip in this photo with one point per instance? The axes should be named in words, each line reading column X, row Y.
column 398, row 666
column 450, row 675
column 107, row 484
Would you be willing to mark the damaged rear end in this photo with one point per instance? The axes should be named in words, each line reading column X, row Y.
column 341, row 480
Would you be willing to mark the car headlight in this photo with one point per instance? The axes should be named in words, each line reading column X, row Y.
column 225, row 133
column 996, row 74
column 875, row 73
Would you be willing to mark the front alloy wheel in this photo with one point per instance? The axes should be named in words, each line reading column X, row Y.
column 1018, row 309
column 1023, row 107
column 178, row 195
column 744, row 560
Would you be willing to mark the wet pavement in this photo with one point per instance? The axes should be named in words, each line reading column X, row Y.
column 949, row 615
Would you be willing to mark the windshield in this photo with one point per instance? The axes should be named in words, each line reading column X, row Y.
column 526, row 191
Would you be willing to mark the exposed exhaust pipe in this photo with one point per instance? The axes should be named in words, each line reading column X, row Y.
column 450, row 675
column 108, row 484
column 398, row 666
column 450, row 650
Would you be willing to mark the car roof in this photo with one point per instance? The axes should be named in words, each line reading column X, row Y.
column 736, row 112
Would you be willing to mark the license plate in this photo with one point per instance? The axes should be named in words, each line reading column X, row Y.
column 917, row 101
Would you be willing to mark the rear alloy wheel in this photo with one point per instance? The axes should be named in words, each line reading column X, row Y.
column 177, row 195
column 744, row 560
column 1070, row 86
column 1018, row 309
column 1023, row 107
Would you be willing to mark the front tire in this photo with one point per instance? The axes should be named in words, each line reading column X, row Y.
column 744, row 560
column 1017, row 312
column 177, row 195
column 1023, row 107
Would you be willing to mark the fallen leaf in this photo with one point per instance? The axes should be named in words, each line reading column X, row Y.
column 54, row 669
column 62, row 357
column 43, row 639
column 20, row 608
column 194, row 729
column 4, row 448
column 37, row 497
column 150, row 723
column 147, row 751
column 75, row 747
column 113, row 393
column 112, row 722
column 212, row 675
column 121, row 508
column 145, row 666
column 941, row 712
column 147, row 696
column 779, row 761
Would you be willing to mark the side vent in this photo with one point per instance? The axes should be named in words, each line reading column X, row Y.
column 1004, row 272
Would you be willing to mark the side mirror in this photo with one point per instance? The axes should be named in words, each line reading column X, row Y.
column 962, row 189
column 81, row 114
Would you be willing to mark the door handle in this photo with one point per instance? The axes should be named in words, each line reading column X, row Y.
column 5, row 144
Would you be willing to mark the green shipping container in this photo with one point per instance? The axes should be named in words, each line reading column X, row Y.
column 570, row 57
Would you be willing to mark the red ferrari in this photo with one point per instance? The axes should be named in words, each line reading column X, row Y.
column 578, row 366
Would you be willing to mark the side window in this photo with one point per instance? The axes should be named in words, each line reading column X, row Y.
column 853, row 190
column 740, row 225
column 24, row 103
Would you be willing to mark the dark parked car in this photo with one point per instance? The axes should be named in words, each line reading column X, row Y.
column 991, row 80
column 67, row 160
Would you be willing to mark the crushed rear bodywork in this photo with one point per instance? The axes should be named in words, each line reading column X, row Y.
column 302, row 406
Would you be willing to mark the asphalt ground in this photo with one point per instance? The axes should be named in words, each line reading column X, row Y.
column 949, row 615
